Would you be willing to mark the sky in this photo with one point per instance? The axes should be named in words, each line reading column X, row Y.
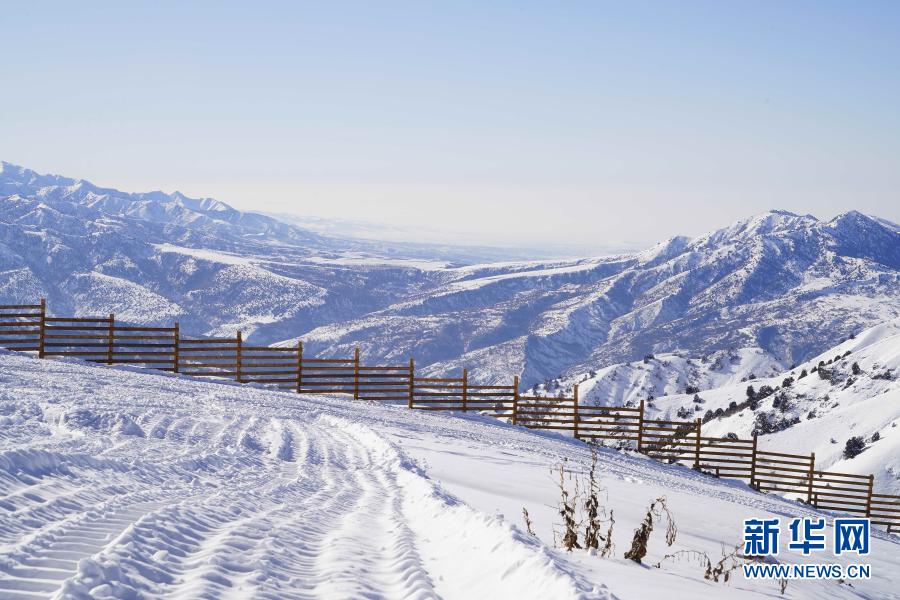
column 512, row 123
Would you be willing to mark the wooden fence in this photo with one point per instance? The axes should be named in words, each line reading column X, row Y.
column 29, row 328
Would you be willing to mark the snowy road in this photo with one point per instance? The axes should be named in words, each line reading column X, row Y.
column 121, row 483
column 218, row 501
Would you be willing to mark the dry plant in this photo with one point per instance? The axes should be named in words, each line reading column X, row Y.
column 567, row 512
column 528, row 524
column 595, row 515
column 656, row 509
column 592, row 507
column 721, row 570
column 608, row 546
column 574, row 512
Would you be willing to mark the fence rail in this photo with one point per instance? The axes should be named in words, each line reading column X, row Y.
column 28, row 327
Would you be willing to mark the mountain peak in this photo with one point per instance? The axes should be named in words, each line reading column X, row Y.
column 854, row 217
column 6, row 167
column 776, row 218
column 854, row 221
column 779, row 212
column 762, row 224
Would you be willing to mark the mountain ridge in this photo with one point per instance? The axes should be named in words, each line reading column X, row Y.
column 787, row 285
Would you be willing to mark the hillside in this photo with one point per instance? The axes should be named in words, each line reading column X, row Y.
column 152, row 257
column 812, row 408
column 784, row 284
column 663, row 375
column 120, row 483
column 774, row 289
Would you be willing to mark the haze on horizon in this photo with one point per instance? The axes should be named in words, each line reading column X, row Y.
column 587, row 124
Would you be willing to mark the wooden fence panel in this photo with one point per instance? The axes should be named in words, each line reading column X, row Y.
column 270, row 366
column 150, row 347
column 384, row 382
column 20, row 326
column 671, row 441
column 846, row 492
column 785, row 474
column 497, row 400
column 542, row 412
column 885, row 511
column 727, row 457
column 438, row 393
column 208, row 357
column 86, row 338
column 328, row 376
column 616, row 423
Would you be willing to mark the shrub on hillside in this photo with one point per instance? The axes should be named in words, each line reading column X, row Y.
column 771, row 422
column 854, row 447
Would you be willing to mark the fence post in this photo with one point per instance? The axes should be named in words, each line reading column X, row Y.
column 41, row 326
column 411, row 380
column 515, row 412
column 356, row 374
column 812, row 475
column 699, row 425
column 640, row 440
column 175, row 356
column 575, row 410
column 237, row 363
column 465, row 389
column 109, row 347
column 299, row 365
column 869, row 498
column 753, row 463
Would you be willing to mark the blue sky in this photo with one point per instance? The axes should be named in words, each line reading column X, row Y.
column 585, row 122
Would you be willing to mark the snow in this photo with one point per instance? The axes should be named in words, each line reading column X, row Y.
column 120, row 483
column 830, row 411
column 129, row 301
column 666, row 374
column 204, row 254
column 375, row 261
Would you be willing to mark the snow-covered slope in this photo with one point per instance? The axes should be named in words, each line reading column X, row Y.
column 812, row 408
column 119, row 483
column 664, row 374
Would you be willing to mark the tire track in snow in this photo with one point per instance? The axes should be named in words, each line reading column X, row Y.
column 229, row 503
column 278, row 552
column 469, row 554
column 371, row 553
column 69, row 528
column 264, row 534
column 43, row 562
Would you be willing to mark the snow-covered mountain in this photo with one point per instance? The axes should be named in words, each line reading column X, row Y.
column 785, row 284
column 156, row 257
column 762, row 294
column 849, row 391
